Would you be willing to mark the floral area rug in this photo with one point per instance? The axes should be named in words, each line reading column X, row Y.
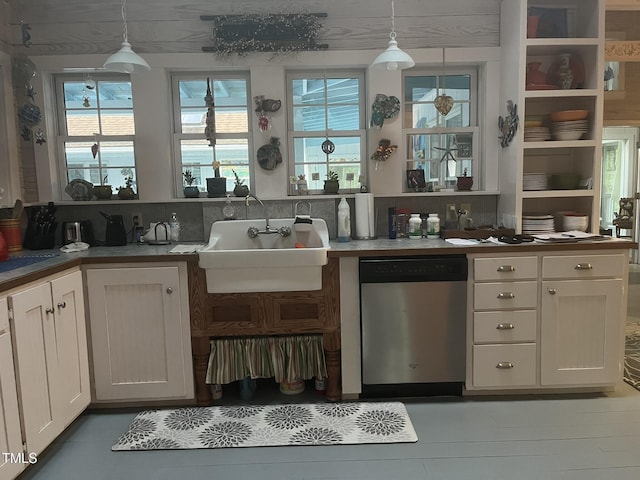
column 268, row 426
column 632, row 360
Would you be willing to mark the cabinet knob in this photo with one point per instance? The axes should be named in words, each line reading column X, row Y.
column 48, row 310
column 505, row 326
column 62, row 304
column 169, row 290
column 506, row 295
column 504, row 365
column 552, row 291
column 506, row 268
column 584, row 266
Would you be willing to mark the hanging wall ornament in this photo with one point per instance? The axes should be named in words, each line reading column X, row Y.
column 210, row 129
column 29, row 114
column 264, row 106
column 94, row 149
column 26, row 36
column 40, row 137
column 443, row 102
column 328, row 147
column 383, row 107
column 508, row 125
column 269, row 156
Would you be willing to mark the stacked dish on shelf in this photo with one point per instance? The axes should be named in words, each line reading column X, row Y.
column 569, row 124
column 575, row 221
column 537, row 223
column 535, row 181
column 536, row 131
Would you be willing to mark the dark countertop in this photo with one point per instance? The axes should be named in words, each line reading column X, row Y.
column 133, row 253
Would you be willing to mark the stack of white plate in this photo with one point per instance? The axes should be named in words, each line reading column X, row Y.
column 536, row 134
column 570, row 130
column 537, row 223
column 535, row 181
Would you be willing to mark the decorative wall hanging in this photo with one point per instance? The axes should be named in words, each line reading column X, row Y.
column 264, row 106
column 26, row 36
column 383, row 108
column 277, row 33
column 269, row 156
column 384, row 151
column 40, row 137
column 508, row 125
column 210, row 129
column 443, row 102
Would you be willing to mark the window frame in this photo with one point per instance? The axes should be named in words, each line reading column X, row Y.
column 475, row 127
column 293, row 135
column 62, row 136
column 177, row 135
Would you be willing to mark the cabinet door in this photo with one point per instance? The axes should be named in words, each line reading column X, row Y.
column 71, row 345
column 139, row 334
column 35, row 353
column 10, row 435
column 581, row 339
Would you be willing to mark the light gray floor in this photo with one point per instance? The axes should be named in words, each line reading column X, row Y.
column 577, row 437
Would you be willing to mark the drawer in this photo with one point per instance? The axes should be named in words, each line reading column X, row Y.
column 505, row 295
column 504, row 365
column 505, row 326
column 583, row 266
column 505, row 268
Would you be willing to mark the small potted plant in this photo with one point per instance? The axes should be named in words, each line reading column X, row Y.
column 240, row 190
column 331, row 184
column 104, row 191
column 190, row 190
column 126, row 192
column 216, row 186
column 464, row 182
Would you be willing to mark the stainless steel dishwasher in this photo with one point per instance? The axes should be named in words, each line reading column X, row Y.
column 413, row 316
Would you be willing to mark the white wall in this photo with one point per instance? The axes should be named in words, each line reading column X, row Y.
column 152, row 104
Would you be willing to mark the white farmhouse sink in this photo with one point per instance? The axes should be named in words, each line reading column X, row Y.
column 236, row 263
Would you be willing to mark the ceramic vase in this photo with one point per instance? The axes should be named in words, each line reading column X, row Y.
column 331, row 187
column 216, row 187
column 191, row 191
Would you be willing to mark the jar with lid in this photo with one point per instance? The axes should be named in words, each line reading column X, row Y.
column 415, row 227
column 433, row 226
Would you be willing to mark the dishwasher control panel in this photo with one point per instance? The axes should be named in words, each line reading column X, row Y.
column 413, row 269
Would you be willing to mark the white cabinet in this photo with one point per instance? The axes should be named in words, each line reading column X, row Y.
column 582, row 320
column 574, row 28
column 140, row 334
column 546, row 320
column 10, row 435
column 52, row 364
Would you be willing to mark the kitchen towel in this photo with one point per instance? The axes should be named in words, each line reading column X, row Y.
column 365, row 216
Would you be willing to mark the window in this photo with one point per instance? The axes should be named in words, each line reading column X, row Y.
column 96, row 128
column 232, row 126
column 444, row 146
column 327, row 105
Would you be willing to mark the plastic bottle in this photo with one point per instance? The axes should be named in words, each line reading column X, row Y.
column 174, row 227
column 228, row 211
column 344, row 221
column 433, row 226
column 415, row 227
column 393, row 226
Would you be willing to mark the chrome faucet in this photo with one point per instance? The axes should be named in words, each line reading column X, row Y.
column 253, row 232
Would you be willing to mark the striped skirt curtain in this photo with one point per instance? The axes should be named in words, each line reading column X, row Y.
column 287, row 358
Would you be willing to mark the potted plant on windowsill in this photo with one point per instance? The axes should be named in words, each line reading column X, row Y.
column 190, row 190
column 104, row 191
column 240, row 190
column 216, row 186
column 331, row 184
column 126, row 192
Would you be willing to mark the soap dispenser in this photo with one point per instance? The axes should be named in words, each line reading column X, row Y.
column 344, row 221
column 228, row 211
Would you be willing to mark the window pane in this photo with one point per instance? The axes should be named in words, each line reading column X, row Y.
column 231, row 120
column 193, row 120
column 309, row 119
column 344, row 117
column 420, row 89
column 308, row 91
column 117, row 154
column 82, row 123
column 76, row 95
column 117, row 122
column 343, row 90
column 115, row 94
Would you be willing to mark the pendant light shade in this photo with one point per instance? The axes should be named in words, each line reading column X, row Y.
column 393, row 58
column 126, row 60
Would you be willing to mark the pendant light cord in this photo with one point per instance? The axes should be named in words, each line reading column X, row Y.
column 444, row 74
column 392, row 35
column 124, row 21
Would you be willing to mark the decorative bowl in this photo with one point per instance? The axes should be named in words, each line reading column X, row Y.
column 102, row 192
column 575, row 221
column 569, row 115
column 79, row 189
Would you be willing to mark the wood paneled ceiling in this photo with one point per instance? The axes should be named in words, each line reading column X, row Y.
column 173, row 26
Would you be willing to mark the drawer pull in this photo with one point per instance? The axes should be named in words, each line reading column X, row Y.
column 505, row 326
column 62, row 304
column 169, row 290
column 552, row 291
column 506, row 268
column 48, row 310
column 504, row 365
column 506, row 295
column 584, row 266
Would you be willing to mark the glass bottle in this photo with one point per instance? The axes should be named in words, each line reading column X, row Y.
column 174, row 228
column 228, row 211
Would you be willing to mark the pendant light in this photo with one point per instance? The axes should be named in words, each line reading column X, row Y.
column 126, row 60
column 392, row 58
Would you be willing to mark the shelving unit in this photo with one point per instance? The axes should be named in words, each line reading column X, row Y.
column 583, row 38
